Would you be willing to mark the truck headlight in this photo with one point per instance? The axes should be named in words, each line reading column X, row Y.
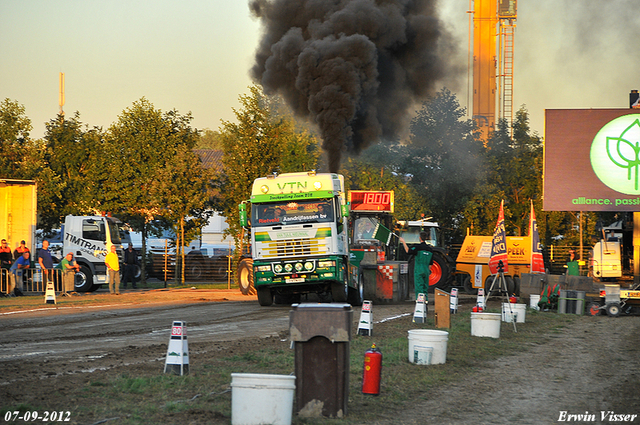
column 299, row 267
column 266, row 268
column 288, row 267
column 325, row 264
column 278, row 268
column 308, row 266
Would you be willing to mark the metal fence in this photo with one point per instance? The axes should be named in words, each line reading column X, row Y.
column 197, row 268
column 30, row 280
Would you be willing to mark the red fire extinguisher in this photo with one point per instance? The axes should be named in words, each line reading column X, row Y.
column 372, row 370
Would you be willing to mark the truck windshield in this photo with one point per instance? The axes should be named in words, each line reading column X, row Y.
column 114, row 232
column 412, row 235
column 293, row 212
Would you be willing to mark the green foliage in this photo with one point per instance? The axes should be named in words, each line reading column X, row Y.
column 149, row 169
column 514, row 174
column 14, row 139
column 142, row 168
column 444, row 159
column 209, row 139
column 365, row 174
column 262, row 142
column 71, row 156
column 434, row 173
column 180, row 192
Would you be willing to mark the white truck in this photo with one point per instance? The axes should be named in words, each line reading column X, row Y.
column 89, row 238
column 299, row 238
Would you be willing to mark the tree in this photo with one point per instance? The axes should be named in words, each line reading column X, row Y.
column 513, row 174
column 442, row 159
column 262, row 142
column 72, row 156
column 141, row 143
column 181, row 192
column 14, row 139
column 373, row 171
column 209, row 139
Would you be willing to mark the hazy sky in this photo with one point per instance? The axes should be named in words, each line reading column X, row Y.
column 195, row 55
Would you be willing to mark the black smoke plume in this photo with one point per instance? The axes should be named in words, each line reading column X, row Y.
column 354, row 66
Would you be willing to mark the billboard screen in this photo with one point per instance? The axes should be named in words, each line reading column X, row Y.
column 592, row 160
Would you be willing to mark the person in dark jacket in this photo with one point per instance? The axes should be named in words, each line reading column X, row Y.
column 130, row 267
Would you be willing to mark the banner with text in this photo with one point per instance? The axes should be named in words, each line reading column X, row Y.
column 499, row 245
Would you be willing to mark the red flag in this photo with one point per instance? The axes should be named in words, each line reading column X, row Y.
column 537, row 262
column 499, row 245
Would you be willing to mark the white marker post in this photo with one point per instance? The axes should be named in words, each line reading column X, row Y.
column 50, row 293
column 177, row 361
column 420, row 312
column 453, row 300
column 365, row 326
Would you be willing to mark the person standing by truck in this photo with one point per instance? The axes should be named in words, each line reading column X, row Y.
column 46, row 263
column 421, row 269
column 113, row 270
column 69, row 269
column 130, row 263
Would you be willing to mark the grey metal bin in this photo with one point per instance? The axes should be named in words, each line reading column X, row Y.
column 322, row 334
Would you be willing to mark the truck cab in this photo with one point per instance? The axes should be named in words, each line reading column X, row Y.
column 90, row 238
column 298, row 228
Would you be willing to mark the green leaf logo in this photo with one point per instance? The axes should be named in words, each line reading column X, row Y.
column 615, row 154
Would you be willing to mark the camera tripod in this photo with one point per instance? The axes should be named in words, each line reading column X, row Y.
column 501, row 288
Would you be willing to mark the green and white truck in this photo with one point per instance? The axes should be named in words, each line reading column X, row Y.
column 299, row 238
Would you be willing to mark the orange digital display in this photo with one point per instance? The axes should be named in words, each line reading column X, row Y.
column 371, row 200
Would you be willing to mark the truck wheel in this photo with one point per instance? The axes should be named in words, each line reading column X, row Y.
column 356, row 295
column 245, row 277
column 613, row 310
column 487, row 286
column 468, row 287
column 340, row 290
column 84, row 280
column 511, row 285
column 440, row 272
column 265, row 297
column 195, row 271
column 516, row 286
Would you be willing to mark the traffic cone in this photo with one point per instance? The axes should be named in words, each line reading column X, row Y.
column 420, row 312
column 480, row 300
column 50, row 293
column 365, row 327
column 453, row 300
column 177, row 361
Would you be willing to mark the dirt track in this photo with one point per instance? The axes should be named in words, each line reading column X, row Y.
column 587, row 368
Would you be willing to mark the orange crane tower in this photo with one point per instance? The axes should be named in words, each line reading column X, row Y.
column 493, row 54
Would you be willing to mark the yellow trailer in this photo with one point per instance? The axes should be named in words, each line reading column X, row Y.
column 473, row 260
column 18, row 212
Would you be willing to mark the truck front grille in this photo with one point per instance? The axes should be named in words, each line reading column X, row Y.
column 294, row 247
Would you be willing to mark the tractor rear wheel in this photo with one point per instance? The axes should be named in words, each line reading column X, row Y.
column 440, row 272
column 245, row 276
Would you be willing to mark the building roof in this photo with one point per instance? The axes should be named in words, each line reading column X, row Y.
column 211, row 158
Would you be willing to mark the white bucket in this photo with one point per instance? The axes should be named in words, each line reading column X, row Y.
column 485, row 324
column 261, row 399
column 511, row 310
column 427, row 346
column 534, row 299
